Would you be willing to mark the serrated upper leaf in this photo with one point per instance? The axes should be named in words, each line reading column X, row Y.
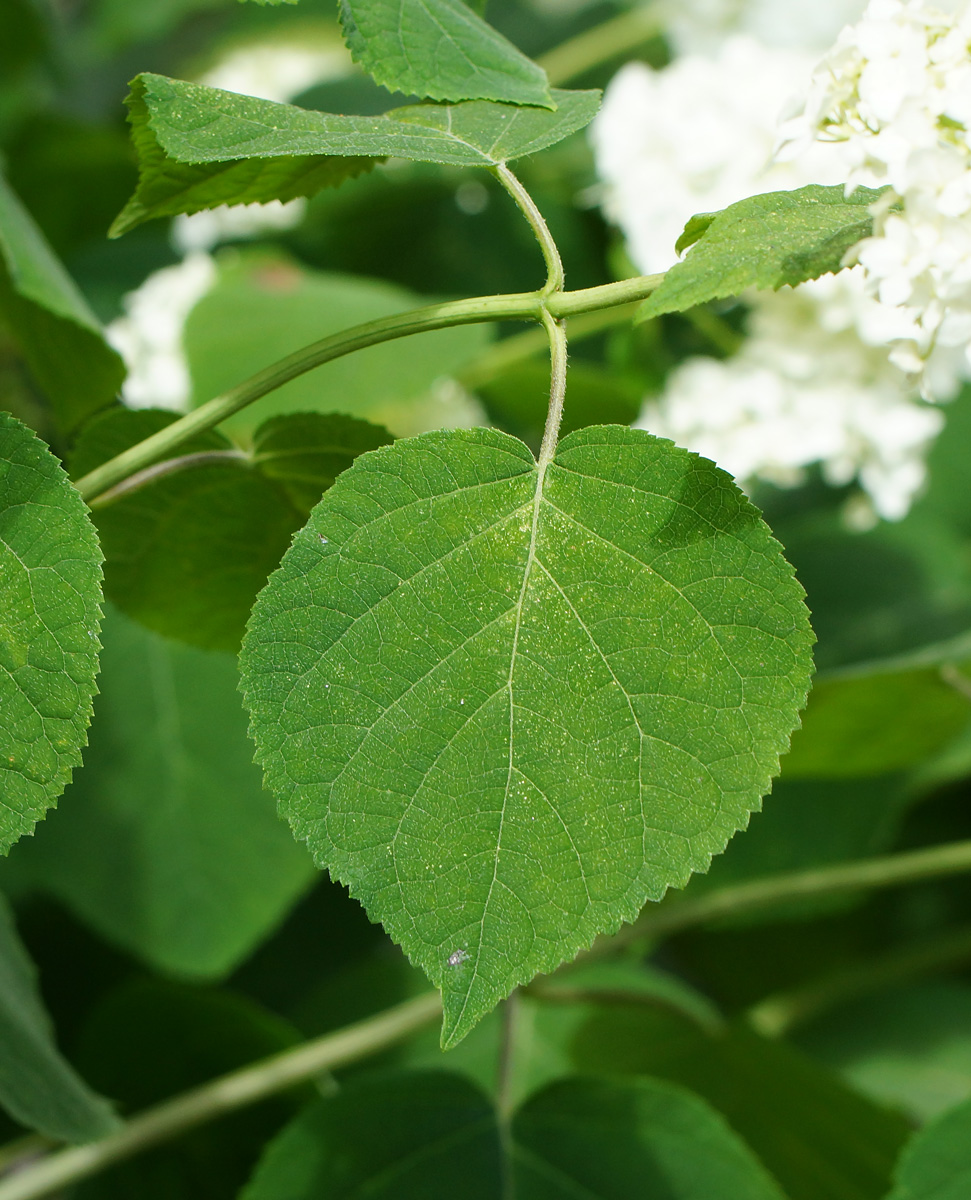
column 765, row 242
column 440, row 49
column 50, row 595
column 199, row 146
column 59, row 336
column 38, row 1087
column 508, row 707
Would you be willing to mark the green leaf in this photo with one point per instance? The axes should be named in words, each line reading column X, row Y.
column 199, row 147
column 440, row 49
column 263, row 308
column 50, row 594
column 187, row 554
column 38, row 1087
column 882, row 716
column 641, row 1138
column 908, row 1048
column 508, row 706
column 168, row 846
column 937, row 1163
column 431, row 1135
column 57, row 333
column 764, row 242
column 815, row 1135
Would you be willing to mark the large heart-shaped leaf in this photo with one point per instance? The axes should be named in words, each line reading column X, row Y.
column 50, row 594
column 199, row 146
column 509, row 704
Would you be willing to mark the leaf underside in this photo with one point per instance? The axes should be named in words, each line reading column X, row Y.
column 440, row 49
column 508, row 708
column 764, row 242
column 50, row 615
column 199, row 147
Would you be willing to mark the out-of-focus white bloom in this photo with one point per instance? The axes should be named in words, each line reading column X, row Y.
column 206, row 229
column 276, row 70
column 808, row 25
column 697, row 136
column 279, row 70
column 149, row 335
column 896, row 91
column 804, row 389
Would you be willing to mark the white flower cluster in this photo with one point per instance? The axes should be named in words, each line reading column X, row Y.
column 805, row 388
column 696, row 137
column 896, row 92
column 149, row 335
column 812, row 383
column 701, row 25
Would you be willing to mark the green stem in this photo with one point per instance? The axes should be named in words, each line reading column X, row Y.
column 891, row 871
column 777, row 1015
column 555, row 278
column 169, row 466
column 221, row 1096
column 556, row 331
column 523, row 306
column 497, row 358
column 611, row 39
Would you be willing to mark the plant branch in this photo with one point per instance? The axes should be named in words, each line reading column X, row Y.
column 221, row 1096
column 522, row 306
column 893, row 870
column 555, row 279
column 556, row 331
column 779, row 1013
column 609, row 40
column 498, row 357
column 169, row 466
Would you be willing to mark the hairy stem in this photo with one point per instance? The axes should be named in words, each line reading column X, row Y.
column 497, row 358
column 523, row 306
column 556, row 331
column 555, row 279
column 221, row 1096
column 893, row 870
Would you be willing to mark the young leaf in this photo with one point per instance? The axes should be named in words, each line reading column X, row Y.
column 417, row 1133
column 171, row 849
column 50, row 595
column 937, row 1163
column 187, row 554
column 764, row 242
column 507, row 706
column 440, row 49
column 38, row 1087
column 199, row 147
column 59, row 336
